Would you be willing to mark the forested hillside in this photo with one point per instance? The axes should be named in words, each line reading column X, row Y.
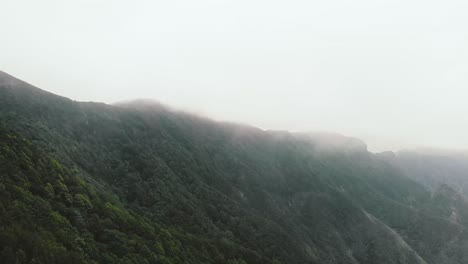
column 140, row 183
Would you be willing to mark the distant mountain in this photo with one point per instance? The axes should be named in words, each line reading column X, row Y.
column 138, row 182
column 435, row 168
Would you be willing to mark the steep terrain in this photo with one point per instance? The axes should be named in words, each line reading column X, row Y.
column 436, row 168
column 139, row 183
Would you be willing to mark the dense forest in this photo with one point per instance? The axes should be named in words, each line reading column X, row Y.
column 136, row 182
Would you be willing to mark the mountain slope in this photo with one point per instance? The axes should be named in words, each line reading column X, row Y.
column 255, row 196
column 433, row 169
column 49, row 215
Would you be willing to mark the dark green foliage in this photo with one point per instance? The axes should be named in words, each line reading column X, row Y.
column 138, row 183
column 49, row 215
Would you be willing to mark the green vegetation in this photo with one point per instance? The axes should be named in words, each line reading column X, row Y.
column 49, row 215
column 137, row 183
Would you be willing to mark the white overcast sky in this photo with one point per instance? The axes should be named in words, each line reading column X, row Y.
column 393, row 73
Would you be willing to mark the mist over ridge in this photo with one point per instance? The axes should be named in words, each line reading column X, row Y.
column 233, row 132
column 325, row 136
column 87, row 182
column 391, row 73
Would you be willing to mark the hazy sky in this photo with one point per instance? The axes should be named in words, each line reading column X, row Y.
column 394, row 73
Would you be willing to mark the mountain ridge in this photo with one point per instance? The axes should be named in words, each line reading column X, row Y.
column 218, row 192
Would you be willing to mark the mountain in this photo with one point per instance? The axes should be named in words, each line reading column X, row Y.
column 436, row 168
column 138, row 182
